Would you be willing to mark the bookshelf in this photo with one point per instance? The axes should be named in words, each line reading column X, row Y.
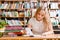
column 14, row 9
column 15, row 13
column 54, row 11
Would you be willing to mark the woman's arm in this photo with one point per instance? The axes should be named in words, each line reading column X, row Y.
column 50, row 30
column 29, row 27
column 28, row 30
column 50, row 27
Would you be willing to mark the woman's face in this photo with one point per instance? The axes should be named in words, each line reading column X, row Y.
column 40, row 15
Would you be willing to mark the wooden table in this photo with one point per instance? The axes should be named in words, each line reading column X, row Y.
column 47, row 37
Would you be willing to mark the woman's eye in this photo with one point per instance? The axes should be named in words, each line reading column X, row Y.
column 41, row 15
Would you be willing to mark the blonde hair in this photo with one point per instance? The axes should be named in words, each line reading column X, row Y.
column 46, row 19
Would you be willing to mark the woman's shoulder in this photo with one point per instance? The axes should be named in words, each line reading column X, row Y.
column 32, row 18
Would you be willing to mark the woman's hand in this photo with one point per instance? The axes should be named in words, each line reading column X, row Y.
column 28, row 31
column 47, row 33
column 24, row 32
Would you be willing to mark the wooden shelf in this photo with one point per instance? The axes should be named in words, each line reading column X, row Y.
column 18, row 9
column 14, row 17
column 14, row 9
column 54, row 9
column 55, row 0
column 15, row 25
column 19, row 25
column 50, row 0
column 53, row 17
column 29, row 0
column 15, row 0
column 28, row 17
column 56, row 30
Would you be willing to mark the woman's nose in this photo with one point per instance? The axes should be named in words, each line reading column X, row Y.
column 40, row 16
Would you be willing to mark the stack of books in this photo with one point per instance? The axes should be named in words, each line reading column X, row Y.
column 3, row 6
column 35, row 4
column 21, row 5
column 58, row 12
column 33, row 12
column 54, row 5
column 54, row 21
column 27, row 5
column 13, row 28
column 14, row 23
column 16, row 5
column 52, row 13
column 21, row 14
column 10, row 14
column 27, row 13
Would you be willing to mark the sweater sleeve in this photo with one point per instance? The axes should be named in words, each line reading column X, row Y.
column 30, row 21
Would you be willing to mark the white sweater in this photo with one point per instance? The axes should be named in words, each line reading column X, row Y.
column 37, row 26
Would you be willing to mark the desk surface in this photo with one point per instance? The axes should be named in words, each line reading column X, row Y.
column 51, row 36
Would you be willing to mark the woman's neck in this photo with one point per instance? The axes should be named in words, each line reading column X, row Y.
column 39, row 20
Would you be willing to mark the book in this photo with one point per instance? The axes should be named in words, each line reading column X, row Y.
column 5, row 6
column 32, row 5
column 33, row 12
column 27, row 5
column 17, row 6
column 33, row 0
column 54, row 21
column 27, row 13
column 21, row 14
column 17, row 22
column 21, row 5
column 52, row 13
column 54, row 5
column 16, row 14
column 58, row 12
column 38, row 4
column 9, row 23
column 10, row 14
column 14, row 22
column 0, row 6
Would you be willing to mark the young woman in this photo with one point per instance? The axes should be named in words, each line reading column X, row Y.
column 40, row 23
